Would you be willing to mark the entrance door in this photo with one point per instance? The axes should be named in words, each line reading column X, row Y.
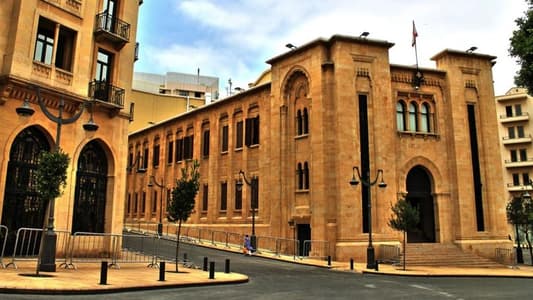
column 23, row 207
column 419, row 195
column 91, row 186
column 304, row 234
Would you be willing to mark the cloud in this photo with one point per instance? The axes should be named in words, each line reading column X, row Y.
column 233, row 38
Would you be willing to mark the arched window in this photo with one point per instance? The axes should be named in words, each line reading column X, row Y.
column 424, row 118
column 413, row 122
column 306, row 176
column 91, row 187
column 299, row 122
column 400, row 116
column 300, row 175
column 305, row 120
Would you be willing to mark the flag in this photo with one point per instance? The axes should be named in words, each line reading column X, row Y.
column 415, row 34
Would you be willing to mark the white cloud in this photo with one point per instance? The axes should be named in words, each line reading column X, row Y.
column 243, row 34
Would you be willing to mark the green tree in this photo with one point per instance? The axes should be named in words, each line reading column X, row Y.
column 405, row 218
column 50, row 179
column 181, row 204
column 522, row 48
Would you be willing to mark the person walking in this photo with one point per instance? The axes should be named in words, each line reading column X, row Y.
column 247, row 250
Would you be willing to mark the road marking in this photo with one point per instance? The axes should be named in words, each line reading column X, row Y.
column 370, row 286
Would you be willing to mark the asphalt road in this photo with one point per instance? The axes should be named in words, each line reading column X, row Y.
column 271, row 279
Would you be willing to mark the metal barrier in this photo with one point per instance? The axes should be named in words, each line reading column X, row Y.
column 388, row 253
column 320, row 249
column 3, row 241
column 505, row 256
column 288, row 247
column 28, row 242
column 118, row 248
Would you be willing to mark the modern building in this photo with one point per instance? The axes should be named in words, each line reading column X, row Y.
column 334, row 110
column 160, row 97
column 513, row 112
column 65, row 81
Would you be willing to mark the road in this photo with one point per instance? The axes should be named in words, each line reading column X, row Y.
column 271, row 279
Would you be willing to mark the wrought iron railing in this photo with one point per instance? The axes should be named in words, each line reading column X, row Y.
column 103, row 91
column 109, row 23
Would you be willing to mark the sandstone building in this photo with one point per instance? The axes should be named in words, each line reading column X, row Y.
column 324, row 108
column 71, row 60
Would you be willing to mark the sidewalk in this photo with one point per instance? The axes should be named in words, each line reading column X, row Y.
column 86, row 279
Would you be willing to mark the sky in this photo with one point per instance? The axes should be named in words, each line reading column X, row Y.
column 232, row 39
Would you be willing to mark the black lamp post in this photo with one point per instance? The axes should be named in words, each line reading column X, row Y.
column 47, row 254
column 161, row 185
column 253, row 202
column 527, row 205
column 366, row 181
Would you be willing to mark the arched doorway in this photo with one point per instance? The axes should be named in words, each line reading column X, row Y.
column 419, row 195
column 23, row 206
column 91, row 186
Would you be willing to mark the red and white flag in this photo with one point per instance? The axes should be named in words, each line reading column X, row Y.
column 415, row 34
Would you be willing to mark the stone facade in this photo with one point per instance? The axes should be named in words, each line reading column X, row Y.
column 332, row 105
column 80, row 52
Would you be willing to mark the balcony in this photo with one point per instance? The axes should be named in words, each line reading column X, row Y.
column 511, row 187
column 504, row 119
column 110, row 28
column 107, row 93
column 519, row 164
column 516, row 140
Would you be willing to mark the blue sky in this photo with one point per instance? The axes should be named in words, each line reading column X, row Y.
column 234, row 38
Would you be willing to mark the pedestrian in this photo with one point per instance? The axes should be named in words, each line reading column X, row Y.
column 247, row 249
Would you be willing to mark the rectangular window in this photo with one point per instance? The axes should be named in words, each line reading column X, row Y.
column 225, row 132
column 516, row 179
column 145, row 158
column 238, row 197
column 154, row 202
column 510, row 132
column 238, row 135
column 205, row 144
column 179, row 150
column 65, row 48
column 223, row 196
column 508, row 111
column 188, row 147
column 143, row 203
column 205, row 198
column 135, row 202
column 252, row 131
column 518, row 110
column 44, row 45
column 155, row 158
column 525, row 178
column 170, row 152
column 128, row 209
column 520, row 131
column 523, row 155
column 514, row 156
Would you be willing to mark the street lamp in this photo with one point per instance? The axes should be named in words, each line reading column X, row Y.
column 161, row 185
column 47, row 256
column 526, row 205
column 365, row 180
column 253, row 202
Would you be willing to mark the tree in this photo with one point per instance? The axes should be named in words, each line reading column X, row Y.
column 405, row 218
column 519, row 213
column 522, row 48
column 181, row 203
column 50, row 179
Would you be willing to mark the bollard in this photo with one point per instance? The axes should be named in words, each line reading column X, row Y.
column 205, row 263
column 226, row 268
column 351, row 264
column 162, row 271
column 329, row 260
column 376, row 265
column 212, row 270
column 103, row 272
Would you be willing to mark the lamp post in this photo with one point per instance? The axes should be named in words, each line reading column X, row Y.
column 47, row 252
column 526, row 208
column 366, row 181
column 161, row 185
column 253, row 202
